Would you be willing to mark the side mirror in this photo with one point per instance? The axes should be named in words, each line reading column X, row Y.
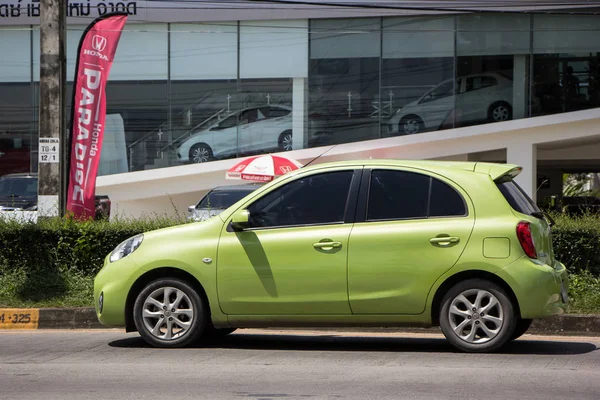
column 191, row 209
column 240, row 220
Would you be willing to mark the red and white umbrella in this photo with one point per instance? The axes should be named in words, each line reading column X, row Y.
column 262, row 168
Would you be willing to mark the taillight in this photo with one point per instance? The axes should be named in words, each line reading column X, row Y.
column 526, row 240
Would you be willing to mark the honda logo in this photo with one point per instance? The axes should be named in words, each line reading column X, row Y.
column 98, row 43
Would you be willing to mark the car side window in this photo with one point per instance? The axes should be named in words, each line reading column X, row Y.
column 409, row 195
column 480, row 82
column 228, row 122
column 316, row 199
column 445, row 201
column 276, row 112
column 397, row 195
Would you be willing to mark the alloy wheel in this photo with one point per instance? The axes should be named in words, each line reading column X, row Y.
column 168, row 313
column 287, row 142
column 500, row 113
column 200, row 154
column 411, row 126
column 476, row 316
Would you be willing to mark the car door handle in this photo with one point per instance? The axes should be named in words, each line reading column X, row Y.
column 444, row 240
column 327, row 245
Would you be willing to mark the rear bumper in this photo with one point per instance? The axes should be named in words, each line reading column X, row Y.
column 541, row 290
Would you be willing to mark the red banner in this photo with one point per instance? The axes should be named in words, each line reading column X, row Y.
column 96, row 52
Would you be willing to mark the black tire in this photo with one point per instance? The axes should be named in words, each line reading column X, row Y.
column 285, row 141
column 410, row 125
column 500, row 111
column 501, row 321
column 193, row 301
column 212, row 333
column 200, row 153
column 522, row 326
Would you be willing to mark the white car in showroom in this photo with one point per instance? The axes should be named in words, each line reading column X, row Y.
column 262, row 128
column 479, row 98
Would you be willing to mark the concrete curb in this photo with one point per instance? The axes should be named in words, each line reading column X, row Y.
column 85, row 318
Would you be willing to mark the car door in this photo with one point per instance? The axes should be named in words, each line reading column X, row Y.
column 436, row 105
column 411, row 228
column 292, row 258
column 246, row 126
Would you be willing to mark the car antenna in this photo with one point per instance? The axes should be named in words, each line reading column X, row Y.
column 319, row 156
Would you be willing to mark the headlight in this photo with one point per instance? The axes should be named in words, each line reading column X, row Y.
column 126, row 248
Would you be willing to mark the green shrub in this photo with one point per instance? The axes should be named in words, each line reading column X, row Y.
column 577, row 243
column 54, row 261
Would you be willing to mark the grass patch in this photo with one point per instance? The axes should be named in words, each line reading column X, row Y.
column 584, row 293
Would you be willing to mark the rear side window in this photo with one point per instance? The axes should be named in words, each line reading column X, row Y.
column 408, row 195
column 517, row 198
column 445, row 201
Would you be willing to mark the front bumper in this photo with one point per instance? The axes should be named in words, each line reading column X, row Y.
column 541, row 290
column 113, row 282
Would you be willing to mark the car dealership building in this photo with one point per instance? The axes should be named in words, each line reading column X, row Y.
column 197, row 84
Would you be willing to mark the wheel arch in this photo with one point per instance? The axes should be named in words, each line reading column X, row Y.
column 157, row 273
column 462, row 276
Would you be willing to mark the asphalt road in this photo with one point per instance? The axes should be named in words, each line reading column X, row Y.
column 260, row 365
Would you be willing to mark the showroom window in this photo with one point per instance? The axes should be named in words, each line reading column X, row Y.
column 344, row 78
column 417, row 59
column 566, row 64
column 18, row 135
column 317, row 199
column 493, row 54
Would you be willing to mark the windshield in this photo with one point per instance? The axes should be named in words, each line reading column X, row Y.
column 222, row 199
column 18, row 187
column 517, row 198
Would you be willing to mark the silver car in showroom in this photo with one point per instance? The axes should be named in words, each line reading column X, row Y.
column 474, row 98
column 262, row 128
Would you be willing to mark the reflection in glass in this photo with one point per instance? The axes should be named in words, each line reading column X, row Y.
column 344, row 80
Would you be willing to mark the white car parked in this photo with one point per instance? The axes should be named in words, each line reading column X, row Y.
column 480, row 97
column 267, row 127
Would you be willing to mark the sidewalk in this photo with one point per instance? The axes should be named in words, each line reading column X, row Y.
column 85, row 318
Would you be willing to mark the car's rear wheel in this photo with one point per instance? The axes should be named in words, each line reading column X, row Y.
column 285, row 141
column 200, row 153
column 477, row 316
column 522, row 326
column 169, row 313
column 410, row 125
column 500, row 111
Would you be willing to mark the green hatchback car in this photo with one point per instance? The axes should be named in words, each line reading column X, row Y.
column 355, row 243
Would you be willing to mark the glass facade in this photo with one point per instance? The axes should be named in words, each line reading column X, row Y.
column 192, row 92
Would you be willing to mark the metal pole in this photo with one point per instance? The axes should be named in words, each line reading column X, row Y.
column 52, row 120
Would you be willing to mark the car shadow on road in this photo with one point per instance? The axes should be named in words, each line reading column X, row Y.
column 333, row 342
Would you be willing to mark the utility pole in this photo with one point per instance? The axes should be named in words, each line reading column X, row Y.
column 52, row 116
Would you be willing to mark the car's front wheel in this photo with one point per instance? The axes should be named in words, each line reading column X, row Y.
column 285, row 141
column 169, row 313
column 477, row 316
column 410, row 125
column 200, row 153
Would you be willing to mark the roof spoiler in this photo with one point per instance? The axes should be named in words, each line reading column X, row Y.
column 499, row 172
